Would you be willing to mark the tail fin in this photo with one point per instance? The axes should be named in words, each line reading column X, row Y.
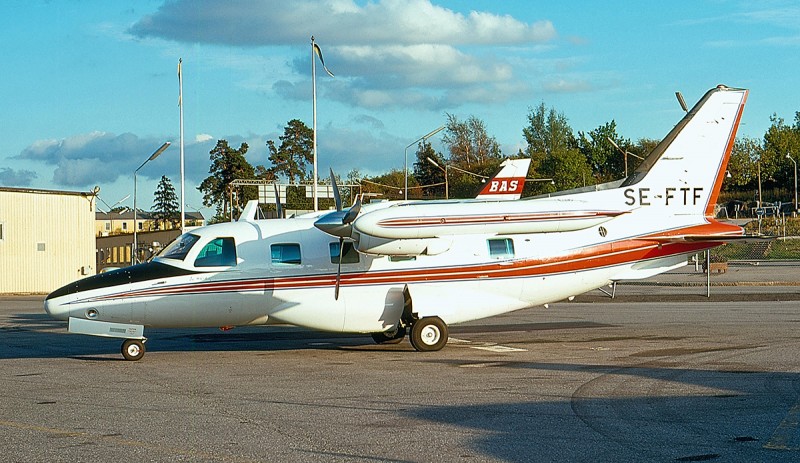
column 508, row 183
column 685, row 171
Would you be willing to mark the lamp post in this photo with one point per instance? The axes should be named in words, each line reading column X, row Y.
column 405, row 165
column 446, row 181
column 135, row 247
column 788, row 156
column 625, row 154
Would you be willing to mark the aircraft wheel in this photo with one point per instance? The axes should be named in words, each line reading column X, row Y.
column 133, row 349
column 428, row 334
column 390, row 337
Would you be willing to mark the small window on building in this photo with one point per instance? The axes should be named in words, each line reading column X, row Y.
column 285, row 253
column 124, row 225
column 41, row 247
column 220, row 252
column 108, row 226
column 502, row 248
column 402, row 258
column 2, row 232
column 350, row 255
column 140, row 225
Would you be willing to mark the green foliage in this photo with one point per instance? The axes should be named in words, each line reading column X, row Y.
column 469, row 143
column 295, row 155
column 554, row 152
column 605, row 161
column 779, row 249
column 426, row 173
column 165, row 202
column 227, row 165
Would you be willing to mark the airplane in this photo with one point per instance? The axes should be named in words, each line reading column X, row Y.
column 398, row 268
column 508, row 183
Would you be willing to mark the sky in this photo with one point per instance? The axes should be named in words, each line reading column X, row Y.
column 89, row 88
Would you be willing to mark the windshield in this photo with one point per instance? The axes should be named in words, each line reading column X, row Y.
column 180, row 247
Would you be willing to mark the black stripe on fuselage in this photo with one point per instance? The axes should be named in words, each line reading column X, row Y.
column 132, row 274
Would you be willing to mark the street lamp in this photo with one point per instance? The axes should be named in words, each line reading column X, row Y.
column 446, row 182
column 625, row 153
column 405, row 165
column 135, row 248
column 788, row 156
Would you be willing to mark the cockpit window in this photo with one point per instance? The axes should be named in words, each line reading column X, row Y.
column 220, row 252
column 180, row 247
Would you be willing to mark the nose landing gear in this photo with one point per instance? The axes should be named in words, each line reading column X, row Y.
column 133, row 349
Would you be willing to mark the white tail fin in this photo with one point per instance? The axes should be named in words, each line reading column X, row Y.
column 685, row 171
column 508, row 183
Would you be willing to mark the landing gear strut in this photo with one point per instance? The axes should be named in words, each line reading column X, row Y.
column 428, row 334
column 133, row 349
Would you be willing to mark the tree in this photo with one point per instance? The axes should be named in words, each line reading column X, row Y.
column 426, row 173
column 779, row 140
column 165, row 203
column 227, row 165
column 295, row 153
column 742, row 165
column 554, row 152
column 606, row 162
column 469, row 143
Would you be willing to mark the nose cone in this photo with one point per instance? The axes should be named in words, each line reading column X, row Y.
column 58, row 307
column 332, row 224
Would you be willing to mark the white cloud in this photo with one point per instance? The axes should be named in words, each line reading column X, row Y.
column 335, row 22
column 384, row 53
column 202, row 137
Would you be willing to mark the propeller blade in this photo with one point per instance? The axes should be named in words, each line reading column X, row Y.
column 337, row 197
column 278, row 206
column 351, row 214
column 339, row 269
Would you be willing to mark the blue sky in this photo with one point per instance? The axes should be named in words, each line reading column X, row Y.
column 89, row 88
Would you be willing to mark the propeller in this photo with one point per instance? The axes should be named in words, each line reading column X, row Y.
column 278, row 206
column 341, row 229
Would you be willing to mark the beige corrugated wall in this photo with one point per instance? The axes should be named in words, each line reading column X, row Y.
column 48, row 239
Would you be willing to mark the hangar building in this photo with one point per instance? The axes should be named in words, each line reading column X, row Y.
column 46, row 239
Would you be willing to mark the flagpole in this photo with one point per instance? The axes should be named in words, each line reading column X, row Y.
column 314, row 119
column 180, row 105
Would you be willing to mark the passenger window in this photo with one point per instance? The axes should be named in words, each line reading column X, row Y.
column 350, row 255
column 285, row 253
column 220, row 252
column 501, row 248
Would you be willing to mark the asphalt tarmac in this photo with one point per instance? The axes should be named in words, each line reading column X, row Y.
column 659, row 373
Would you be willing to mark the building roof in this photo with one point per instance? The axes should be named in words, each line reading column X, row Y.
column 140, row 215
column 46, row 192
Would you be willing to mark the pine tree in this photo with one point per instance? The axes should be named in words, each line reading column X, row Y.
column 165, row 203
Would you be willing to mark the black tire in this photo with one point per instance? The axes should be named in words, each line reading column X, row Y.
column 390, row 337
column 133, row 349
column 428, row 334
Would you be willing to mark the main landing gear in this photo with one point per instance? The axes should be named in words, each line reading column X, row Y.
column 427, row 334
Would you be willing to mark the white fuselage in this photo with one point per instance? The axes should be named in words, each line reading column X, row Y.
column 465, row 282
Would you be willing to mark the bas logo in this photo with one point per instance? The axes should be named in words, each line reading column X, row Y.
column 683, row 196
column 504, row 186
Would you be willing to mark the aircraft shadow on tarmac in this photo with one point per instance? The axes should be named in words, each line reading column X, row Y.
column 679, row 415
column 38, row 336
